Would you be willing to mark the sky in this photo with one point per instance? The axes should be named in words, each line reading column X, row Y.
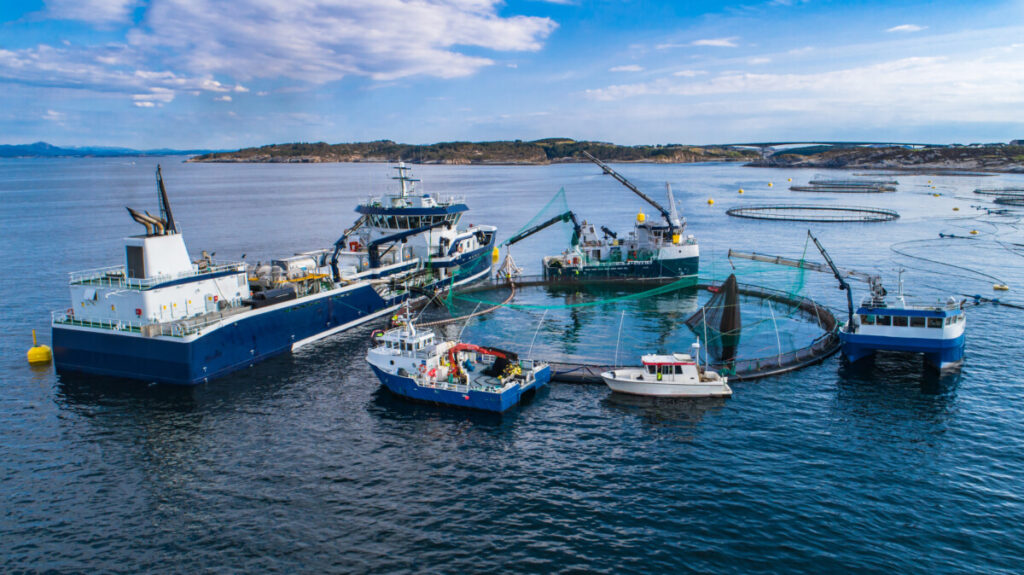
column 221, row 74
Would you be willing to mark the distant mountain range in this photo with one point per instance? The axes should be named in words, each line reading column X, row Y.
column 44, row 150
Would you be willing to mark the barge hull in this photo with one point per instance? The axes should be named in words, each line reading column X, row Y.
column 237, row 343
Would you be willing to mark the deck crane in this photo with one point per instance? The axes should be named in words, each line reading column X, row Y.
column 671, row 218
column 874, row 281
column 563, row 217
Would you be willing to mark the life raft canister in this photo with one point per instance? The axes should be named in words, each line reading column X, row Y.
column 354, row 246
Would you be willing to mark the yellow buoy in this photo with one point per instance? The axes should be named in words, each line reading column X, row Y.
column 741, row 190
column 39, row 353
column 974, row 232
column 789, row 179
column 956, row 209
column 711, row 201
column 494, row 256
column 936, row 195
column 770, row 184
column 929, row 181
column 1000, row 287
column 640, row 217
column 933, row 187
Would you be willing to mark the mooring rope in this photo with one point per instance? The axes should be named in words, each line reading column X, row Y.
column 474, row 314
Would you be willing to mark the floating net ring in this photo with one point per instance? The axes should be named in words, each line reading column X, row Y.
column 1004, row 192
column 813, row 213
column 1010, row 201
column 844, row 189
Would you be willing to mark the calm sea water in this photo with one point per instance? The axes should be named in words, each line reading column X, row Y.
column 304, row 463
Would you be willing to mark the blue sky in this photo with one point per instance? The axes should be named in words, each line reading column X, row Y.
column 228, row 74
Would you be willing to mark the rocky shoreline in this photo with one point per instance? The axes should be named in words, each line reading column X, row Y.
column 540, row 152
column 989, row 158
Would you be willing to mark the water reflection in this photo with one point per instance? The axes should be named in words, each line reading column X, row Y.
column 663, row 411
column 897, row 389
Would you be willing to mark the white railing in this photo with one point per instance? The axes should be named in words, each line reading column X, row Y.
column 117, row 276
column 177, row 328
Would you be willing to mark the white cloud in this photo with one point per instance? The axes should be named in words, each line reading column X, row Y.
column 761, row 60
column 688, row 73
column 980, row 87
column 906, row 28
column 224, row 98
column 628, row 68
column 320, row 41
column 716, row 42
column 53, row 116
column 145, row 104
column 95, row 11
column 240, row 89
column 109, row 69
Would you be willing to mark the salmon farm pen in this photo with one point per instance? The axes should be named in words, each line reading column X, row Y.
column 813, row 213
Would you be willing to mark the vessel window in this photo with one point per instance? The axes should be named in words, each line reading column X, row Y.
column 935, row 322
column 882, row 320
column 650, row 369
column 949, row 320
column 917, row 321
column 867, row 319
column 679, row 370
column 900, row 321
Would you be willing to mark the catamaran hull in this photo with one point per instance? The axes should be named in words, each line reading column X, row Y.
column 941, row 353
column 239, row 342
column 407, row 388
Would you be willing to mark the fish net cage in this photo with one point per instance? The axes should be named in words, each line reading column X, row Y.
column 1004, row 192
column 815, row 213
column 1010, row 201
column 584, row 329
column 852, row 183
column 833, row 189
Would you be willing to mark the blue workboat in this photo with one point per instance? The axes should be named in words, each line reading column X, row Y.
column 414, row 365
column 166, row 317
column 933, row 329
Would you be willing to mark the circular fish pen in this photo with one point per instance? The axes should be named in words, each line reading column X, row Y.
column 815, row 213
column 1010, row 201
column 844, row 189
column 1003, row 192
column 584, row 329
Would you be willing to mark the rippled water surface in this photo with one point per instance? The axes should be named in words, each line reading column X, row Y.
column 305, row 464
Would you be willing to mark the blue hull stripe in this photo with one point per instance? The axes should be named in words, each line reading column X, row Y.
column 240, row 342
column 939, row 352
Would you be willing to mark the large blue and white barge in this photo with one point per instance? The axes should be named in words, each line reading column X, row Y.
column 413, row 364
column 933, row 329
column 163, row 317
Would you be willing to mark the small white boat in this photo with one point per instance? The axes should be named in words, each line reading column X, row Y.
column 673, row 375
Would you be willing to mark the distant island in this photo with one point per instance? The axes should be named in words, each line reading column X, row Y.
column 995, row 157
column 548, row 151
column 44, row 150
column 955, row 157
